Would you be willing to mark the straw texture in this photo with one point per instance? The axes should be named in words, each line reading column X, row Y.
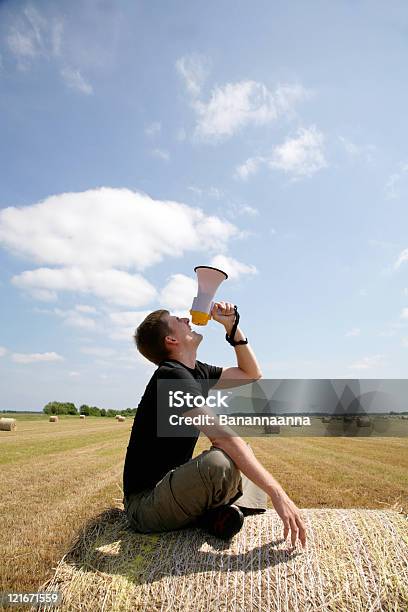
column 356, row 560
column 8, row 424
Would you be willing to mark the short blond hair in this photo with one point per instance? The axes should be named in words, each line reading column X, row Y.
column 150, row 334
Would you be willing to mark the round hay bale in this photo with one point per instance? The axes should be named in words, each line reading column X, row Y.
column 121, row 419
column 117, row 416
column 272, row 429
column 363, row 421
column 8, row 424
column 81, row 416
column 53, row 419
column 352, row 556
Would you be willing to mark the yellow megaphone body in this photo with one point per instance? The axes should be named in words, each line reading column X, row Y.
column 209, row 279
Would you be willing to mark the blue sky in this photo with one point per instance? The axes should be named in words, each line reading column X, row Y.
column 138, row 142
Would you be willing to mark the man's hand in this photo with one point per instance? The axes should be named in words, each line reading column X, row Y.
column 224, row 313
column 290, row 515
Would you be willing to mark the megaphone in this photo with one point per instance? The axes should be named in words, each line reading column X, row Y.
column 209, row 279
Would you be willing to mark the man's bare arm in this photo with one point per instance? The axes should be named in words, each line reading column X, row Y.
column 247, row 368
column 248, row 464
column 224, row 437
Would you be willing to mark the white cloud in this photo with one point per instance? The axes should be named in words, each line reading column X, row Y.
column 3, row 351
column 405, row 342
column 208, row 192
column 232, row 267
column 26, row 37
column 74, row 374
column 74, row 80
column 363, row 152
column 300, row 156
column 43, row 295
column 193, row 69
column 115, row 286
column 153, row 128
column 396, row 181
column 401, row 259
column 353, row 332
column 404, row 313
column 85, row 308
column 124, row 323
column 249, row 167
column 75, row 318
column 35, row 357
column 161, row 154
column 129, row 231
column 237, row 105
column 233, row 209
column 98, row 351
column 367, row 363
column 23, row 45
column 56, row 37
column 128, row 318
column 32, row 36
column 178, row 292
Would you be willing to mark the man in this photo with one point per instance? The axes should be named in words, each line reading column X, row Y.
column 164, row 488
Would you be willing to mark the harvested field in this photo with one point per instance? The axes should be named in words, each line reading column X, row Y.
column 356, row 560
column 66, row 478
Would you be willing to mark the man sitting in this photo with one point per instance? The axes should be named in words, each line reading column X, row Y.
column 164, row 488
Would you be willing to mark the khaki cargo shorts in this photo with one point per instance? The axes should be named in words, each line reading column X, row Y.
column 185, row 493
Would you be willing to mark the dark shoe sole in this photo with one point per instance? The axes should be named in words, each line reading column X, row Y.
column 223, row 522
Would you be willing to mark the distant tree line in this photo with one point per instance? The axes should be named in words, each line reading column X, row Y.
column 70, row 408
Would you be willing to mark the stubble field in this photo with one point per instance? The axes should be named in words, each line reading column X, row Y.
column 57, row 476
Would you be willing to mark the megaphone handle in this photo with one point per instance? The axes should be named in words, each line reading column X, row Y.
column 211, row 307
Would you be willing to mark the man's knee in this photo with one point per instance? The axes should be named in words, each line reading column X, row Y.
column 217, row 465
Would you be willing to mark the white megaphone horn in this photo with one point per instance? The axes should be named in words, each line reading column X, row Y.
column 209, row 279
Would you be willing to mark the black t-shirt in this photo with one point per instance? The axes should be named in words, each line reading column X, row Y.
column 149, row 456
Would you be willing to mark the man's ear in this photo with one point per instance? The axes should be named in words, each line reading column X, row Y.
column 170, row 340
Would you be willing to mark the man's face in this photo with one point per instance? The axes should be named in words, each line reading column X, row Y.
column 182, row 332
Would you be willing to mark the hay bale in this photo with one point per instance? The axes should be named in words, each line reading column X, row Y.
column 355, row 560
column 81, row 416
column 326, row 419
column 272, row 429
column 117, row 416
column 363, row 421
column 120, row 419
column 7, row 424
column 53, row 419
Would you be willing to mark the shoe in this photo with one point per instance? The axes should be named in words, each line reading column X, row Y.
column 251, row 511
column 223, row 522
